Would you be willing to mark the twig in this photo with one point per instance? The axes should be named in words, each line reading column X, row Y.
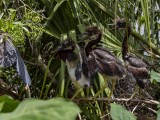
column 79, row 116
column 155, row 112
column 147, row 101
column 31, row 63
column 7, row 91
column 104, row 116
column 28, row 91
column 135, row 107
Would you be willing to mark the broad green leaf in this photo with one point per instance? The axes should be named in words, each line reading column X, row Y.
column 118, row 112
column 158, row 112
column 7, row 104
column 34, row 109
column 155, row 76
column 158, row 115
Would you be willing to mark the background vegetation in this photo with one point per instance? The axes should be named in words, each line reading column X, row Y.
column 37, row 28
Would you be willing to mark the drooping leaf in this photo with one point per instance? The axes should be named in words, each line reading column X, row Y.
column 118, row 112
column 34, row 109
column 11, row 56
column 7, row 104
column 22, row 70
